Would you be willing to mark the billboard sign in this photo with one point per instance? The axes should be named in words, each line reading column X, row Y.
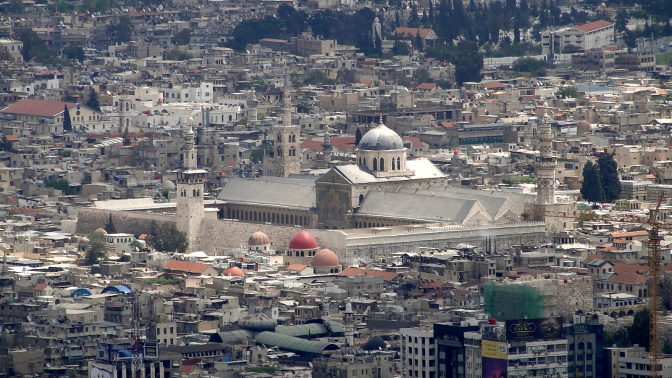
column 494, row 359
column 534, row 329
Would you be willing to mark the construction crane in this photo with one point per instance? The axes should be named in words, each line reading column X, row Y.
column 654, row 263
column 137, row 367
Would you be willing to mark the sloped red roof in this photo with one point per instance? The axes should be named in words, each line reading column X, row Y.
column 620, row 268
column 297, row 267
column 494, row 85
column 593, row 25
column 43, row 108
column 628, row 278
column 185, row 266
column 427, row 86
column 415, row 142
column 594, row 256
column 619, row 235
column 344, row 143
column 314, row 145
column 40, row 287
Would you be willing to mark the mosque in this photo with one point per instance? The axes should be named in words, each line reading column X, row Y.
column 383, row 203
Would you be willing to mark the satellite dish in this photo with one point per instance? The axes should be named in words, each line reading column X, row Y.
column 29, row 318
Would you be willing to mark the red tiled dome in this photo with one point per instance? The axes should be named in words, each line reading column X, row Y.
column 325, row 257
column 258, row 238
column 233, row 271
column 303, row 240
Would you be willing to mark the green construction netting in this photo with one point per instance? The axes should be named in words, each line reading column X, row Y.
column 508, row 302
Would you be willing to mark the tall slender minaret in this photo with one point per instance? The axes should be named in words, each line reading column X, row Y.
column 326, row 147
column 545, row 165
column 190, row 191
column 287, row 139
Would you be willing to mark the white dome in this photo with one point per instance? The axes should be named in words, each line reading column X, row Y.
column 381, row 138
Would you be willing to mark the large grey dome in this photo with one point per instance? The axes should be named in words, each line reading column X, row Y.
column 381, row 138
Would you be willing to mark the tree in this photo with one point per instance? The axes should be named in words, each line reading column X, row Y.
column 591, row 188
column 72, row 51
column 346, row 76
column 183, row 37
column 67, row 121
column 420, row 76
column 609, row 177
column 533, row 66
column 638, row 331
column 167, row 238
column 34, row 47
column 109, row 226
column 61, row 184
column 93, row 102
column 6, row 145
column 176, row 55
column 400, row 48
column 567, row 91
column 570, row 49
column 123, row 29
column 316, row 77
column 469, row 63
column 358, row 136
column 96, row 249
column 257, row 155
column 16, row 6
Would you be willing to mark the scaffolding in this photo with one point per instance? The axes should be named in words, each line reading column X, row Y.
column 513, row 301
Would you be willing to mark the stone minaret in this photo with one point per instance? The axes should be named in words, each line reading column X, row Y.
column 349, row 323
column 326, row 147
column 287, row 139
column 545, row 165
column 190, row 191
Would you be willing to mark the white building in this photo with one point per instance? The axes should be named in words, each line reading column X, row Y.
column 188, row 93
column 418, row 353
column 633, row 362
column 593, row 35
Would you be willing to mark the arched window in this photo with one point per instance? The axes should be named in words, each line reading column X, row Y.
column 382, row 164
column 279, row 138
column 194, row 192
column 301, row 253
column 361, row 198
column 364, row 164
column 279, row 151
column 292, row 152
column 398, row 163
column 282, row 218
column 375, row 164
column 273, row 218
column 291, row 219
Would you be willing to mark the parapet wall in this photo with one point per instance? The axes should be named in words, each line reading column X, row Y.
column 220, row 236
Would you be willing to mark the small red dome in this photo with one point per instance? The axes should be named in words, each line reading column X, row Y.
column 258, row 238
column 233, row 271
column 303, row 240
column 325, row 257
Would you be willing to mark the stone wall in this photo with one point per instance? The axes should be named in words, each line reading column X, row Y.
column 563, row 295
column 352, row 245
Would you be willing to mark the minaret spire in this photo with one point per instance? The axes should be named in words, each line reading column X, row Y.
column 546, row 162
column 287, row 108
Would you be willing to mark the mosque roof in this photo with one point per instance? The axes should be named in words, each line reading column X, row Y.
column 303, row 240
column 381, row 138
column 423, row 169
column 325, row 257
column 419, row 207
column 258, row 238
column 233, row 271
column 271, row 191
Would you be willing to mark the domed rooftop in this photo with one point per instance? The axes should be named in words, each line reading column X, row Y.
column 257, row 322
column 381, row 138
column 233, row 271
column 167, row 185
column 375, row 343
column 325, row 257
column 303, row 240
column 100, row 231
column 258, row 238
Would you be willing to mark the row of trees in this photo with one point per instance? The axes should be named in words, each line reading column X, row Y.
column 165, row 238
column 600, row 180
